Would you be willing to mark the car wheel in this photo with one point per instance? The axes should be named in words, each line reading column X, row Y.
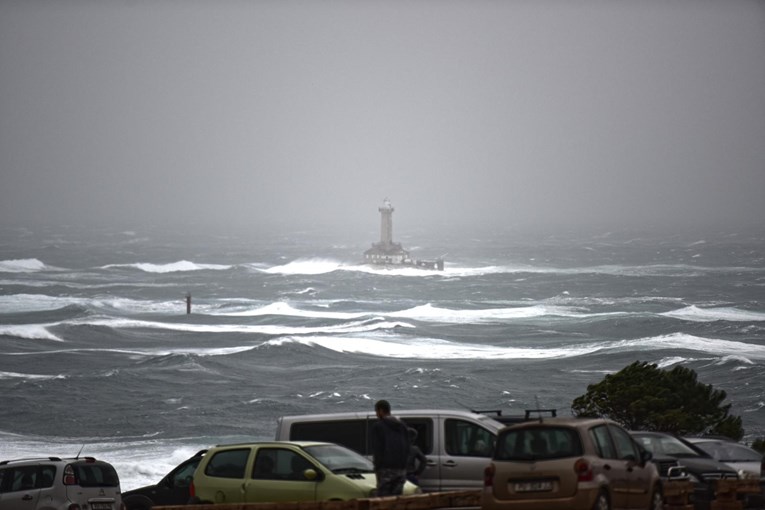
column 602, row 502
column 657, row 502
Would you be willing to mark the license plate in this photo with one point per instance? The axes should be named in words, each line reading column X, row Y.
column 540, row 486
column 101, row 506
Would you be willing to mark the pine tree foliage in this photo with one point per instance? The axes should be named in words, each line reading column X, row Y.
column 642, row 396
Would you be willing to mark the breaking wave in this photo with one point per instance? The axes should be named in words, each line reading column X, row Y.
column 29, row 331
column 173, row 267
column 22, row 266
column 696, row 314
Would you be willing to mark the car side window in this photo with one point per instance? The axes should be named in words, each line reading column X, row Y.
column 602, row 440
column 280, row 464
column 625, row 446
column 23, row 478
column 183, row 476
column 424, row 429
column 352, row 434
column 466, row 439
column 228, row 463
column 47, row 476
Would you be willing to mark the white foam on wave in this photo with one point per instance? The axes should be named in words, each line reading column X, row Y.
column 16, row 303
column 695, row 314
column 425, row 313
column 30, row 377
column 312, row 266
column 713, row 346
column 351, row 327
column 173, row 267
column 30, row 331
column 429, row 312
column 282, row 308
column 22, row 266
column 428, row 348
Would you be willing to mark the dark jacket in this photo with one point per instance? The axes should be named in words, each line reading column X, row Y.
column 390, row 443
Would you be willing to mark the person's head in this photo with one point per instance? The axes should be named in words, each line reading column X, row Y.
column 412, row 434
column 382, row 408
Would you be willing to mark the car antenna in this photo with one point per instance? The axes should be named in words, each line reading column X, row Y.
column 78, row 453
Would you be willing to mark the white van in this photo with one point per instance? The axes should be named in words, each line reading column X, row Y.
column 458, row 444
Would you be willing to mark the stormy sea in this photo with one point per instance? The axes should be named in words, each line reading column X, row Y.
column 98, row 354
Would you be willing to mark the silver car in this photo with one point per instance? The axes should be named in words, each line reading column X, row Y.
column 746, row 461
column 53, row 483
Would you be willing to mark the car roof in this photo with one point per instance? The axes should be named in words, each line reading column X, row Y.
column 565, row 421
column 396, row 412
column 36, row 460
column 300, row 444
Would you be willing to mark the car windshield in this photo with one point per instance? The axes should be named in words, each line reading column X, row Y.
column 339, row 459
column 537, row 443
column 665, row 445
column 729, row 452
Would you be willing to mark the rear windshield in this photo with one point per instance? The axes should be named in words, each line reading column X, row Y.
column 538, row 443
column 96, row 475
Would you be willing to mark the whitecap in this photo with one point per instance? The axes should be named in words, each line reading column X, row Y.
column 31, row 377
column 173, row 267
column 22, row 266
column 30, row 331
column 696, row 314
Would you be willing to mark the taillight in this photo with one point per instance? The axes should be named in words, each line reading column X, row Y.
column 583, row 471
column 74, row 506
column 70, row 478
column 192, row 490
column 488, row 476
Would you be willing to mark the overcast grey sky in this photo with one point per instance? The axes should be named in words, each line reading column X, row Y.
column 526, row 113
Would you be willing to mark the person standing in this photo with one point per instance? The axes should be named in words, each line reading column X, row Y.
column 390, row 450
column 417, row 461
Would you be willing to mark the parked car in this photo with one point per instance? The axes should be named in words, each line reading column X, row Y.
column 284, row 471
column 53, row 482
column 173, row 489
column 457, row 444
column 702, row 469
column 747, row 462
column 570, row 464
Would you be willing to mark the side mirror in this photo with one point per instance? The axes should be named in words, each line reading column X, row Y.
column 310, row 474
column 645, row 456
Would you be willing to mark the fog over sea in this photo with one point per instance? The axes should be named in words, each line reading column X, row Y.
column 97, row 352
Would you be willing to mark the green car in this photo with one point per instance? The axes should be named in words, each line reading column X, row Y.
column 284, row 471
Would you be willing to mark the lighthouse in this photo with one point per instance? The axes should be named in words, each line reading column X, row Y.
column 389, row 253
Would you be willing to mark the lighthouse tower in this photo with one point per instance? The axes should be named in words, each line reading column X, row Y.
column 386, row 251
column 386, row 223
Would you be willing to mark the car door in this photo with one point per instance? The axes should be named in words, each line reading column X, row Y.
column 638, row 480
column 225, row 475
column 173, row 489
column 612, row 468
column 278, row 474
column 18, row 488
column 466, row 451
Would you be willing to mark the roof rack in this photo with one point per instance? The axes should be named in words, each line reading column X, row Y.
column 5, row 462
column 510, row 419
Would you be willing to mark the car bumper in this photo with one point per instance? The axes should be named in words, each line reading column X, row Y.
column 584, row 499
